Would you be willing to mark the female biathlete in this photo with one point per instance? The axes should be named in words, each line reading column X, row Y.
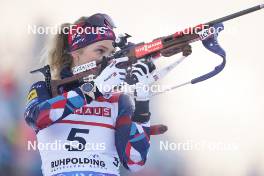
column 94, row 130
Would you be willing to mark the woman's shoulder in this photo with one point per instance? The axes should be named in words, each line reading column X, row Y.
column 38, row 85
column 38, row 90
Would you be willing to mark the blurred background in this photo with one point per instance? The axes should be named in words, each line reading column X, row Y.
column 215, row 127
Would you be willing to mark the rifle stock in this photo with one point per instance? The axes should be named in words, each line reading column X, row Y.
column 55, row 84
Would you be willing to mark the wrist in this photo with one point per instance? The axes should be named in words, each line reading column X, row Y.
column 142, row 92
column 90, row 91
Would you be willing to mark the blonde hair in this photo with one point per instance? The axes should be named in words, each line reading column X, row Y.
column 58, row 57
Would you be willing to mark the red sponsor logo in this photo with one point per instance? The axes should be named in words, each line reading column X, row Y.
column 148, row 48
column 95, row 111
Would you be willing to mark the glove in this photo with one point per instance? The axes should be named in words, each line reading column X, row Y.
column 142, row 73
column 111, row 76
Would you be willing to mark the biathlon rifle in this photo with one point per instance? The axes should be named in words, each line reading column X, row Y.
column 162, row 46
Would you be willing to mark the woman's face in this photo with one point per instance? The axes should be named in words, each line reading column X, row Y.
column 93, row 52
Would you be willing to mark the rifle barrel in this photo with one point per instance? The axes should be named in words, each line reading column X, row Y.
column 235, row 15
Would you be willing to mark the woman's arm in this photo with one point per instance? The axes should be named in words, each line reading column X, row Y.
column 131, row 138
column 42, row 110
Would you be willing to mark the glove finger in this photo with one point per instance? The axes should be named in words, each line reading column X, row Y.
column 122, row 59
column 138, row 70
column 138, row 76
column 151, row 67
column 119, row 70
column 143, row 66
column 122, row 77
column 151, row 78
column 122, row 73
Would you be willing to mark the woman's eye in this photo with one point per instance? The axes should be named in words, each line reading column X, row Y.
column 100, row 51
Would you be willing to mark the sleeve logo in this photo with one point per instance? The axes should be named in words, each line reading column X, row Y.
column 32, row 95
